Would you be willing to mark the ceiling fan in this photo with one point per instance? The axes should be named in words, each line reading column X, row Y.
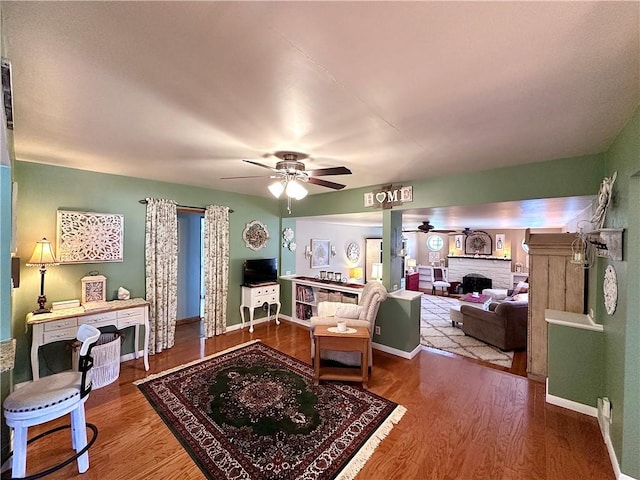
column 291, row 173
column 466, row 232
column 291, row 168
column 426, row 227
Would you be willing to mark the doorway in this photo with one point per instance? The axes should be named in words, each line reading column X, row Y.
column 190, row 266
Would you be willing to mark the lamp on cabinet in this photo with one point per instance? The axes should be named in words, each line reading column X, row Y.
column 376, row 271
column 42, row 257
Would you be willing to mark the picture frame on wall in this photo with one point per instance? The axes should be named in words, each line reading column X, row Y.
column 320, row 253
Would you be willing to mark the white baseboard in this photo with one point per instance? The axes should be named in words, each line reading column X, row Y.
column 397, row 352
column 592, row 412
column 570, row 404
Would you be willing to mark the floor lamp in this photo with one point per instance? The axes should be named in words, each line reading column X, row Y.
column 42, row 257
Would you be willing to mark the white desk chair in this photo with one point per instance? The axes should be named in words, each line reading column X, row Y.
column 439, row 279
column 49, row 398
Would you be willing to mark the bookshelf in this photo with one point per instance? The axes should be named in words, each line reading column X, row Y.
column 307, row 292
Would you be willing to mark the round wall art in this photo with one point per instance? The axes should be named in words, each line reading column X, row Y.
column 255, row 235
column 610, row 289
column 353, row 252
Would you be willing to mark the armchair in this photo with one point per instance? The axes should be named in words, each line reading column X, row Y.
column 372, row 295
column 504, row 325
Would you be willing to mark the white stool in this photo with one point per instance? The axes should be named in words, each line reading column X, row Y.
column 49, row 398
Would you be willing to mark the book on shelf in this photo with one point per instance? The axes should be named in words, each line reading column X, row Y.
column 304, row 294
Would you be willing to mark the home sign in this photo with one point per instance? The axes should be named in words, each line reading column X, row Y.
column 388, row 196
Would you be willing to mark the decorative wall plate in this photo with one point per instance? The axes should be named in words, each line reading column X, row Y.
column 287, row 234
column 255, row 235
column 292, row 246
column 353, row 252
column 610, row 289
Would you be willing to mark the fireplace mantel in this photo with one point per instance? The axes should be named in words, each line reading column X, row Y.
column 481, row 257
column 498, row 269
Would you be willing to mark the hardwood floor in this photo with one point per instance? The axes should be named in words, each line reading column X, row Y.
column 463, row 421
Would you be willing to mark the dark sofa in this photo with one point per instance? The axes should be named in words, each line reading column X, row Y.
column 504, row 325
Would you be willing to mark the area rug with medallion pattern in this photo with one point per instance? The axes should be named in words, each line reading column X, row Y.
column 252, row 412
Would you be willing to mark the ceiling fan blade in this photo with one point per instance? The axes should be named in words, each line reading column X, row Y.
column 260, row 165
column 329, row 171
column 250, row 176
column 325, row 183
column 442, row 231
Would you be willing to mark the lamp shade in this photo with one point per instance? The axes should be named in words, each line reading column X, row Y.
column 355, row 272
column 412, row 262
column 276, row 189
column 376, row 271
column 296, row 190
column 42, row 254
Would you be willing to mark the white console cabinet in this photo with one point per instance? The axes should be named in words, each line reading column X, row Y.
column 257, row 297
column 308, row 292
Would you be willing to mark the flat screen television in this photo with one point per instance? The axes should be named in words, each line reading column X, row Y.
column 260, row 270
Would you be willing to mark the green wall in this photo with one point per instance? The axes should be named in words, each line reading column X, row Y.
column 556, row 178
column 622, row 329
column 43, row 189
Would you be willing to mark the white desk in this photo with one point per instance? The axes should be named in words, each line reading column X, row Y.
column 256, row 297
column 63, row 325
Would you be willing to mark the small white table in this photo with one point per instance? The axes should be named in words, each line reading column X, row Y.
column 256, row 296
column 63, row 325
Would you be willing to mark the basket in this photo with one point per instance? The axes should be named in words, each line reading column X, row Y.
column 106, row 359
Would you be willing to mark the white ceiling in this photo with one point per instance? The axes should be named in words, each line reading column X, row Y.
column 395, row 91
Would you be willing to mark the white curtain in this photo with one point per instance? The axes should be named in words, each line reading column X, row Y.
column 161, row 270
column 216, row 269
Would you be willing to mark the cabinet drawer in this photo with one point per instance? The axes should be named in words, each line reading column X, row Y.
column 60, row 334
column 128, row 321
column 131, row 312
column 98, row 318
column 61, row 324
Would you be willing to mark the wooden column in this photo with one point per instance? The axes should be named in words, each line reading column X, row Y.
column 554, row 283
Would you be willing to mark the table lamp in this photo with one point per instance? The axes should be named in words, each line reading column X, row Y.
column 42, row 257
column 355, row 273
column 411, row 264
column 376, row 271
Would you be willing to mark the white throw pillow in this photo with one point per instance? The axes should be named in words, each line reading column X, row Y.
column 348, row 310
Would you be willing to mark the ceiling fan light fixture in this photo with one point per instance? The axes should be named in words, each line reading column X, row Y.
column 296, row 190
column 276, row 189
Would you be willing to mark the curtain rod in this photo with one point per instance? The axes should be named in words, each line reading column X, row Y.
column 144, row 202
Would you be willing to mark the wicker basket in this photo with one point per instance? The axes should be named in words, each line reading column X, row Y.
column 106, row 359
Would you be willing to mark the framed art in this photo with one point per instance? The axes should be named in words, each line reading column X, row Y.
column 500, row 239
column 320, row 253
column 87, row 237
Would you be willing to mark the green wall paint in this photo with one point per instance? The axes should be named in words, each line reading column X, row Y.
column 44, row 189
column 556, row 178
column 399, row 322
column 575, row 364
column 5, row 252
column 622, row 329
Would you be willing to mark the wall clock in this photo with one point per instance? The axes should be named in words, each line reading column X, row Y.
column 353, row 252
column 94, row 288
column 610, row 289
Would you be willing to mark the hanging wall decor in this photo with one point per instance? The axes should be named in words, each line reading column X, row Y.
column 610, row 287
column 87, row 237
column 255, row 235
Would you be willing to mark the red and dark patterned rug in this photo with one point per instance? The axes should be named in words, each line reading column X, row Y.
column 253, row 412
